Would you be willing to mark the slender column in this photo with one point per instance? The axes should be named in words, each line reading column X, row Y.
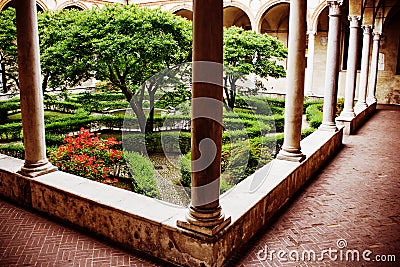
column 205, row 215
column 362, row 87
column 332, row 67
column 295, row 82
column 348, row 110
column 310, row 63
column 374, row 68
column 36, row 162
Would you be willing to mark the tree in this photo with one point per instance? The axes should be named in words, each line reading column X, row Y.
column 125, row 45
column 248, row 52
column 8, row 49
column 128, row 45
column 62, row 63
column 59, row 69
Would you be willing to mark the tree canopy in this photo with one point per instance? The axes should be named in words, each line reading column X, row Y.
column 126, row 45
column 248, row 52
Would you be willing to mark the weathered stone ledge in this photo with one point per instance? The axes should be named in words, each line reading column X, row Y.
column 148, row 225
column 351, row 125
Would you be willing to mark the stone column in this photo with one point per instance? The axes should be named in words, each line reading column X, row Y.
column 332, row 67
column 36, row 162
column 348, row 110
column 362, row 87
column 295, row 82
column 310, row 63
column 374, row 69
column 205, row 215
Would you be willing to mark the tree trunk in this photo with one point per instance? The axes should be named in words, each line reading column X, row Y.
column 150, row 121
column 45, row 82
column 3, row 77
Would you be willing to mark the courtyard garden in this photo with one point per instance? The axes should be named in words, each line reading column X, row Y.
column 84, row 134
column 133, row 129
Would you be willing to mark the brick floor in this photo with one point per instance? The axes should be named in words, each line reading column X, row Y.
column 354, row 200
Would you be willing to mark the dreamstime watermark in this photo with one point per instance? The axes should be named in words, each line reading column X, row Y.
column 340, row 252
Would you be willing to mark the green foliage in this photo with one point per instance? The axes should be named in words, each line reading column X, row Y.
column 11, row 131
column 121, row 45
column 248, row 52
column 8, row 47
column 174, row 142
column 186, row 170
column 314, row 115
column 6, row 108
column 309, row 103
column 13, row 150
column 142, row 171
column 240, row 159
column 173, row 98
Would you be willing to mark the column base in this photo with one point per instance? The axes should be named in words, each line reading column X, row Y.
column 346, row 115
column 308, row 93
column 207, row 222
column 37, row 169
column 360, row 106
column 330, row 127
column 371, row 100
column 294, row 155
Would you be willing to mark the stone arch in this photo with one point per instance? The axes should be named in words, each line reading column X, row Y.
column 275, row 21
column 39, row 4
column 67, row 5
column 181, row 7
column 184, row 13
column 245, row 11
column 264, row 8
column 313, row 26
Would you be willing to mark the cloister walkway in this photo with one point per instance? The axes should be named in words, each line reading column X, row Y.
column 352, row 207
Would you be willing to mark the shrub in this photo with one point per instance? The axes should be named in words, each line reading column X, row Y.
column 241, row 159
column 13, row 150
column 6, row 108
column 142, row 172
column 88, row 156
column 186, row 169
column 11, row 131
column 174, row 142
column 306, row 104
column 314, row 115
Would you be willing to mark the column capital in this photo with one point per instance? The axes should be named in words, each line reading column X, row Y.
column 334, row 7
column 354, row 21
column 311, row 33
column 367, row 29
column 377, row 36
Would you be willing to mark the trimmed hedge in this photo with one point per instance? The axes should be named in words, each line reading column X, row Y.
column 6, row 108
column 314, row 115
column 310, row 103
column 11, row 131
column 13, row 150
column 142, row 171
column 174, row 142
column 61, row 106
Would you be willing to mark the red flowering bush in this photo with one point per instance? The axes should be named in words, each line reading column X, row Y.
column 88, row 156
